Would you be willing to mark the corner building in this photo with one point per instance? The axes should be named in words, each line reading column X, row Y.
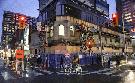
column 71, row 21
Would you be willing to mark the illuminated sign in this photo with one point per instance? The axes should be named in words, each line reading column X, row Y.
column 19, row 54
column 26, row 36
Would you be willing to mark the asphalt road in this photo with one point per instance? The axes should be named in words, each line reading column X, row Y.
column 107, row 75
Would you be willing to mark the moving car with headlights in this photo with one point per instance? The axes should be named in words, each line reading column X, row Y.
column 131, row 60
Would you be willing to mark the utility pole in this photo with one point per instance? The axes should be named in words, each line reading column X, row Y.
column 123, row 30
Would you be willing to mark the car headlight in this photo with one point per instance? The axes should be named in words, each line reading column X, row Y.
column 130, row 63
column 27, row 75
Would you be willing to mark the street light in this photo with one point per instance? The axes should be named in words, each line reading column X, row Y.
column 100, row 35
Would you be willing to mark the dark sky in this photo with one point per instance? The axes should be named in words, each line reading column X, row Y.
column 29, row 7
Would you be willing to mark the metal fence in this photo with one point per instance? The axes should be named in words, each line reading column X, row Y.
column 56, row 60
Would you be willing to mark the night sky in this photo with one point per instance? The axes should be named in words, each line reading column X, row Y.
column 29, row 8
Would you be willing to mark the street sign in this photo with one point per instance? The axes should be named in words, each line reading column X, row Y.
column 19, row 54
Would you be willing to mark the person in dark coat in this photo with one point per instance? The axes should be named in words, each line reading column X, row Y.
column 109, row 62
column 33, row 61
column 61, row 62
column 39, row 60
column 117, row 61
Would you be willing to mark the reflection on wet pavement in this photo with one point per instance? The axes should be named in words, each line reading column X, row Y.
column 31, row 73
column 130, row 77
column 7, row 76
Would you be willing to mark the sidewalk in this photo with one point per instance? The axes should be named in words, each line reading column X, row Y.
column 38, row 71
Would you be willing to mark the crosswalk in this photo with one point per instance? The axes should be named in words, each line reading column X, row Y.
column 102, row 71
column 45, row 71
column 106, row 71
column 7, row 75
column 71, row 73
column 110, row 72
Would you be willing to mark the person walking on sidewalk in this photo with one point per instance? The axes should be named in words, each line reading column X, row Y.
column 109, row 62
column 61, row 62
column 75, row 61
column 39, row 61
column 33, row 62
column 44, row 62
column 117, row 61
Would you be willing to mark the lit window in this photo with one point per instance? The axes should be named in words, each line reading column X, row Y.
column 72, row 30
column 51, row 32
column 127, row 14
column 129, row 20
column 61, row 30
column 129, row 17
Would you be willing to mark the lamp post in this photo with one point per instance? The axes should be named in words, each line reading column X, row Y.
column 123, row 30
column 100, row 35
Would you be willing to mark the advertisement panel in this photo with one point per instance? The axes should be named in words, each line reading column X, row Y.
column 19, row 54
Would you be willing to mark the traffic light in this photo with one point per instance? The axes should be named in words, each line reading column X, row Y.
column 22, row 22
column 90, row 43
column 115, row 19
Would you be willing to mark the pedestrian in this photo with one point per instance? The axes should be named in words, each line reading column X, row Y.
column 46, row 62
column 109, row 62
column 117, row 61
column 39, row 61
column 75, row 61
column 61, row 63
